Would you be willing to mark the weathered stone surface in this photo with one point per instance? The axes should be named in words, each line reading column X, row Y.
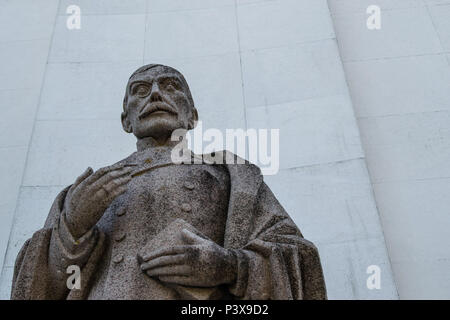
column 149, row 228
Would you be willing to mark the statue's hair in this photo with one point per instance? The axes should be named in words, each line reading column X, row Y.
column 147, row 67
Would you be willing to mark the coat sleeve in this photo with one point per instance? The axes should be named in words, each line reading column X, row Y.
column 40, row 267
column 277, row 263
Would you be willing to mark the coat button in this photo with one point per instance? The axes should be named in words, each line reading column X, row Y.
column 189, row 185
column 119, row 237
column 121, row 211
column 186, row 207
column 118, row 258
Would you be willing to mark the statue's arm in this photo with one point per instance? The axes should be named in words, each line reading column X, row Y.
column 277, row 262
column 75, row 235
column 66, row 250
column 41, row 265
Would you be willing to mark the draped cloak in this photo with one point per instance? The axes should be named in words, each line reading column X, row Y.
column 274, row 261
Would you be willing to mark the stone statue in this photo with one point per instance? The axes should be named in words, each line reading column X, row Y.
column 148, row 228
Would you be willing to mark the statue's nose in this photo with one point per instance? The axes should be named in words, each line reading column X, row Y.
column 156, row 93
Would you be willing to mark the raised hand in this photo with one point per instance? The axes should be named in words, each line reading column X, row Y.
column 91, row 194
column 200, row 262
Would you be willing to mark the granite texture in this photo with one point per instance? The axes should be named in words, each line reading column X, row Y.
column 148, row 228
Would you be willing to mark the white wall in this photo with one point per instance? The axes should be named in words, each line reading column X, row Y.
column 250, row 64
column 25, row 35
column 399, row 78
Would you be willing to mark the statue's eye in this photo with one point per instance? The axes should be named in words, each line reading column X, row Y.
column 170, row 85
column 142, row 90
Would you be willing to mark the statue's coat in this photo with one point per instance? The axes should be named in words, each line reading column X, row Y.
column 274, row 260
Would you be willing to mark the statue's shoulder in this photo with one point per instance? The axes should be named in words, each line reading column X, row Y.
column 234, row 163
column 128, row 160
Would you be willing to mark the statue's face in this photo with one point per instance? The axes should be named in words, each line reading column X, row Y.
column 157, row 103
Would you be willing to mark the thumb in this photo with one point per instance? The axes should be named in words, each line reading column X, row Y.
column 190, row 237
column 81, row 178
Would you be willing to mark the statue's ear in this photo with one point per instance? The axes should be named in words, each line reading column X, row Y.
column 193, row 120
column 126, row 123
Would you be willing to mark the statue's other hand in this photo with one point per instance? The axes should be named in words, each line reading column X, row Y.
column 91, row 194
column 200, row 263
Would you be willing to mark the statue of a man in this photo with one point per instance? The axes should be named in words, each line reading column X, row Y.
column 149, row 228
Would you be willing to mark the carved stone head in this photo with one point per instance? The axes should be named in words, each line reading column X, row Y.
column 157, row 102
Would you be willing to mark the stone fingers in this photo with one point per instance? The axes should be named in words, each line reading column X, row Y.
column 164, row 261
column 191, row 238
column 118, row 191
column 167, row 252
column 102, row 171
column 83, row 176
column 107, row 180
column 176, row 270
column 80, row 179
column 97, row 180
column 107, row 193
column 86, row 186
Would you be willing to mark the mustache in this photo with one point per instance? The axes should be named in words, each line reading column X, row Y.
column 157, row 106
